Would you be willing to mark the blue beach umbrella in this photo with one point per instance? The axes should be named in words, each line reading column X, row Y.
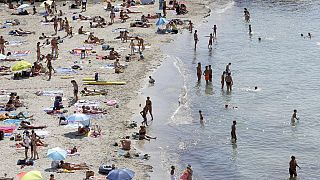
column 57, row 154
column 120, row 174
column 79, row 118
column 162, row 21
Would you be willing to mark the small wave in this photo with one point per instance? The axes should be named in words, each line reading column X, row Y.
column 182, row 113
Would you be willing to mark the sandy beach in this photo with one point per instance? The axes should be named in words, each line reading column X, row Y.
column 114, row 125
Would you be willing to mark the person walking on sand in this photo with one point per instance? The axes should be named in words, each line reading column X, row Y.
column 172, row 174
column 210, row 73
column 132, row 47
column 112, row 15
column 215, row 31
column 54, row 47
column 55, row 24
column 164, row 8
column 49, row 65
column 84, row 5
column 199, row 71
column 206, row 74
column 229, row 82
column 210, row 41
column 149, row 107
column 144, row 116
column 233, row 131
column 293, row 167
column 26, row 144
column 222, row 79
column 190, row 26
column 294, row 116
column 2, row 46
column 75, row 90
column 34, row 151
column 195, row 37
column 38, row 51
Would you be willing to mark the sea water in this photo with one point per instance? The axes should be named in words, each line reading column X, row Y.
column 284, row 66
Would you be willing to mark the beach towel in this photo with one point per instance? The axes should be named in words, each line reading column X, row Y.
column 86, row 103
column 16, row 43
column 50, row 93
column 7, row 129
column 15, row 122
column 65, row 71
column 20, row 53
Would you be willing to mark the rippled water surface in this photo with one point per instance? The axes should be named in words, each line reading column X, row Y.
column 283, row 65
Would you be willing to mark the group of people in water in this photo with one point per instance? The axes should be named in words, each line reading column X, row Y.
column 227, row 79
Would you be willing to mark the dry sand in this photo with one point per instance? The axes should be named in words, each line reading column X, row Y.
column 93, row 151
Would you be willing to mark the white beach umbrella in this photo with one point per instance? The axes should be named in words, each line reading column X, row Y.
column 23, row 6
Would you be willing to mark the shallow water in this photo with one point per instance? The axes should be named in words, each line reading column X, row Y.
column 284, row 67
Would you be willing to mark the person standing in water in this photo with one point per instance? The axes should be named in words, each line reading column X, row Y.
column 190, row 26
column 215, row 31
column 195, row 37
column 222, row 79
column 228, row 68
column 293, row 167
column 144, row 116
column 246, row 15
column 201, row 117
column 206, row 74
column 210, row 41
column 294, row 116
column 210, row 73
column 199, row 71
column 149, row 107
column 250, row 30
column 233, row 131
column 172, row 174
column 229, row 82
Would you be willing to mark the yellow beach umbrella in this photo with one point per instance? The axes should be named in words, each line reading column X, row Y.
column 21, row 65
column 31, row 175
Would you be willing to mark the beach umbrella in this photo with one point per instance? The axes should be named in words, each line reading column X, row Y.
column 31, row 175
column 21, row 65
column 79, row 118
column 120, row 174
column 162, row 21
column 57, row 154
column 48, row 2
column 23, row 6
column 2, row 56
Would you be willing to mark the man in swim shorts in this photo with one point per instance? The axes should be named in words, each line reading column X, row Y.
column 229, row 82
column 199, row 71
column 293, row 167
column 206, row 74
column 149, row 107
column 195, row 37
column 233, row 131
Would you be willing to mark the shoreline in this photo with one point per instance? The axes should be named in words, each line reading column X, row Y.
column 116, row 129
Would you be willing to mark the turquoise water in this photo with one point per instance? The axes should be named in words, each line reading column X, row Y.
column 285, row 68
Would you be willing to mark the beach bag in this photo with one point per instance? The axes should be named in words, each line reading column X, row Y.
column 105, row 47
column 104, row 169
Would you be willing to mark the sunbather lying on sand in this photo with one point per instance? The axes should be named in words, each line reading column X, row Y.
column 21, row 32
column 139, row 24
column 27, row 125
column 70, row 166
column 92, row 110
column 20, row 115
column 152, row 16
column 129, row 11
column 87, row 92
column 98, row 25
column 81, row 17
